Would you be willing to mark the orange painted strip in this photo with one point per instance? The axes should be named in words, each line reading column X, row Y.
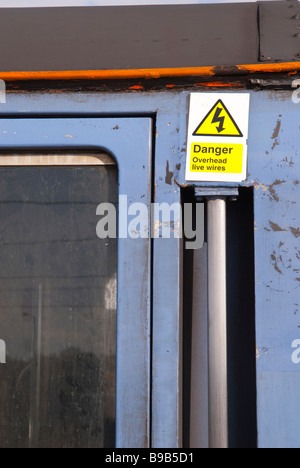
column 150, row 73
column 271, row 67
column 220, row 84
column 105, row 74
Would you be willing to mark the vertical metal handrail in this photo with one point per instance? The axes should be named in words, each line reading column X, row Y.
column 218, row 431
column 217, row 324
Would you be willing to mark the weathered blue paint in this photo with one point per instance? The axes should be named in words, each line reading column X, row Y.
column 129, row 141
column 274, row 173
column 170, row 138
column 275, row 169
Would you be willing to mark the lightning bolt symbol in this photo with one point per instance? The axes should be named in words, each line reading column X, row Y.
column 218, row 119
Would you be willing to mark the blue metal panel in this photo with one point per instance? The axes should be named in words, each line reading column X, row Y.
column 171, row 116
column 274, row 167
column 274, row 173
column 129, row 140
column 167, row 281
column 278, row 409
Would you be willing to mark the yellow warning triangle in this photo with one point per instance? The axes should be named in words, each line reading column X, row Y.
column 218, row 122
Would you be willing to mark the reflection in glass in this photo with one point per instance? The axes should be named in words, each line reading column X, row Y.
column 57, row 308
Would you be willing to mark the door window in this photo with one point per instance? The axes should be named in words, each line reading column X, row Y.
column 58, row 302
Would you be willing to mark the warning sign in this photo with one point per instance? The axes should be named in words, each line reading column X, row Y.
column 217, row 137
column 218, row 158
column 218, row 122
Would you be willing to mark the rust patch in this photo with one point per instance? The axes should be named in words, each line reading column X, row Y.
column 295, row 231
column 287, row 162
column 276, row 133
column 169, row 174
column 229, row 70
column 275, row 263
column 275, row 144
column 272, row 191
column 276, row 228
column 277, row 129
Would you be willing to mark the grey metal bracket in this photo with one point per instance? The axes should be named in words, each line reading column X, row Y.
column 216, row 192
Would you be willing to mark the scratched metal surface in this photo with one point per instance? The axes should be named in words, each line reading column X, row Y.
column 170, row 110
column 129, row 140
column 274, row 169
column 279, row 31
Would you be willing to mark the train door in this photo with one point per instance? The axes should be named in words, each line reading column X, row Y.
column 75, row 304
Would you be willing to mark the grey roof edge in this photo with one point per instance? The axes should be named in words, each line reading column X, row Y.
column 147, row 37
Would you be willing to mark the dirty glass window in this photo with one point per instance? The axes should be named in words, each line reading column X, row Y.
column 57, row 308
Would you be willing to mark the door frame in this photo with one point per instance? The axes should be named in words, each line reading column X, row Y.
column 129, row 142
column 168, row 111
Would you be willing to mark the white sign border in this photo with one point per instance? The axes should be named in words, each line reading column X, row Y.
column 238, row 104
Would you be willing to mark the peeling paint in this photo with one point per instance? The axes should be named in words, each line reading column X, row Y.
column 290, row 162
column 283, row 263
column 169, row 174
column 275, row 135
column 258, row 186
column 275, row 144
column 295, row 231
column 275, row 227
column 272, row 191
column 277, row 129
column 275, row 263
